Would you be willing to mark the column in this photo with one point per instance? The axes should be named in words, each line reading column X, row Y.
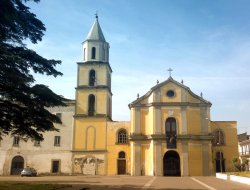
column 137, row 120
column 137, row 158
column 183, row 120
column 203, row 114
column 158, row 158
column 184, row 144
column 157, row 120
column 205, row 158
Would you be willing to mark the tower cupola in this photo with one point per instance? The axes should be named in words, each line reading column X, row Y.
column 95, row 47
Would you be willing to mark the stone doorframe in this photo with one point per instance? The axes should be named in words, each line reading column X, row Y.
column 89, row 156
column 10, row 162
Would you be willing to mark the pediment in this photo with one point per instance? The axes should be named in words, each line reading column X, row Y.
column 158, row 94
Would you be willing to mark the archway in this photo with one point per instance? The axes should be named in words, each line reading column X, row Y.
column 219, row 160
column 17, row 165
column 121, row 163
column 171, row 164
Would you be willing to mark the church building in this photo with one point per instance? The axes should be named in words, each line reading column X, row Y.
column 170, row 132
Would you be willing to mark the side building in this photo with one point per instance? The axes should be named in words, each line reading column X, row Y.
column 53, row 155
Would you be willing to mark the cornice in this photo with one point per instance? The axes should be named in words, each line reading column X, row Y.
column 85, row 116
column 95, row 63
column 86, row 87
column 88, row 151
column 169, row 104
column 140, row 137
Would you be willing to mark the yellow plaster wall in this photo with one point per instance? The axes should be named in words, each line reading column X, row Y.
column 132, row 115
column 100, row 102
column 80, row 133
column 190, row 98
column 147, row 119
column 148, row 99
column 147, row 158
column 195, row 158
column 101, row 74
column 90, row 138
column 193, row 120
column 113, row 148
column 230, row 149
column 170, row 86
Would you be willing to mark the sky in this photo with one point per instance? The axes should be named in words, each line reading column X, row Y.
column 206, row 43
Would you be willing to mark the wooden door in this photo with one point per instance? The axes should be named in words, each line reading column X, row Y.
column 121, row 167
column 17, row 165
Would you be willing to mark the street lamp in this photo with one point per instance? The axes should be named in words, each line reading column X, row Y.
column 218, row 143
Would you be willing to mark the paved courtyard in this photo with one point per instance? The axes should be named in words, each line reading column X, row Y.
column 133, row 183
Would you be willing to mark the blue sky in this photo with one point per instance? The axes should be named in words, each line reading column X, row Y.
column 206, row 43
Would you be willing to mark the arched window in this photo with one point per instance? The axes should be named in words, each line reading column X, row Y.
column 218, row 138
column 170, row 126
column 218, row 155
column 93, row 53
column 109, row 81
column 109, row 108
column 92, row 78
column 122, row 154
column 122, row 136
column 84, row 54
column 103, row 53
column 91, row 105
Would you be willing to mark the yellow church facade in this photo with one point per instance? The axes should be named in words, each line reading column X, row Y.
column 170, row 132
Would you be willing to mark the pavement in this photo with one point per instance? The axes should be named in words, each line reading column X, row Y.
column 133, row 182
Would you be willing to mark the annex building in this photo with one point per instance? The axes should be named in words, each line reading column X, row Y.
column 170, row 132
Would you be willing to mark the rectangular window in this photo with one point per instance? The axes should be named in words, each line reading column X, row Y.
column 59, row 115
column 16, row 141
column 57, row 141
column 37, row 143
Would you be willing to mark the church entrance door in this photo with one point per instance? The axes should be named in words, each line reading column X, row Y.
column 171, row 164
column 17, row 165
column 121, row 167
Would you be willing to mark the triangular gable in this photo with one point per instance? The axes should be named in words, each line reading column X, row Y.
column 170, row 79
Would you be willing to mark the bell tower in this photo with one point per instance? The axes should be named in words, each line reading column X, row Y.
column 94, row 76
column 93, row 104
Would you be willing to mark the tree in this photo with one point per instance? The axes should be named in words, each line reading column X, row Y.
column 236, row 164
column 244, row 162
column 23, row 103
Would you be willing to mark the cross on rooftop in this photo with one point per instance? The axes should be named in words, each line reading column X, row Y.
column 170, row 71
column 96, row 15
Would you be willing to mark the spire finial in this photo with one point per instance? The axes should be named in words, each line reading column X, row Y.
column 182, row 81
column 96, row 14
column 201, row 95
column 157, row 81
column 138, row 96
column 170, row 71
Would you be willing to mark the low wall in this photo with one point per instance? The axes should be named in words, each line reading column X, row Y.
column 240, row 179
column 222, row 176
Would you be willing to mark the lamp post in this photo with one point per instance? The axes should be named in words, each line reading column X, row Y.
column 218, row 143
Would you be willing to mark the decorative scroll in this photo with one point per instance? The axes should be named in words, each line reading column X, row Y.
column 171, row 141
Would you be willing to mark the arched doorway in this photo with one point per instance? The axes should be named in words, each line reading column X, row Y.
column 17, row 165
column 171, row 164
column 219, row 160
column 121, row 163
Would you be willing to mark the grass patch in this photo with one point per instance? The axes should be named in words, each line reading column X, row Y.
column 31, row 186
column 242, row 174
